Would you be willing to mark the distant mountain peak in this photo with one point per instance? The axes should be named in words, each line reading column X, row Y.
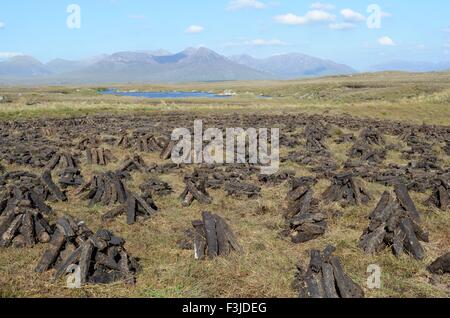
column 23, row 66
column 205, row 55
column 189, row 51
column 198, row 50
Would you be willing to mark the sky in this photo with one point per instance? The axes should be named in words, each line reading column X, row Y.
column 343, row 31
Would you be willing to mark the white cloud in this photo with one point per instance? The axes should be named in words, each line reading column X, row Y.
column 195, row 29
column 447, row 30
column 2, row 25
column 385, row 14
column 386, row 41
column 352, row 16
column 310, row 17
column 245, row 4
column 322, row 6
column 342, row 26
column 447, row 45
column 290, row 18
column 8, row 55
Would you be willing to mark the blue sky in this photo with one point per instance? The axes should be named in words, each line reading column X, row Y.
column 337, row 30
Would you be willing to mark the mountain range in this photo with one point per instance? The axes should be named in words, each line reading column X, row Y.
column 190, row 65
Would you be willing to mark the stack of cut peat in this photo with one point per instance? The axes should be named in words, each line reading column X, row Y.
column 216, row 176
column 447, row 148
column 372, row 136
column 325, row 278
column 22, row 223
column 124, row 142
column 277, row 178
column 70, row 174
column 346, row 188
column 154, row 186
column 135, row 163
column 99, row 156
column 62, row 160
column 395, row 223
column 89, row 142
column 102, row 258
column 136, row 208
column 24, row 183
column 108, row 189
column 20, row 154
column 213, row 237
column 315, row 138
column 70, row 177
column 441, row 265
column 306, row 223
column 238, row 189
column 52, row 187
column 163, row 168
column 166, row 152
column 365, row 153
column 150, row 143
column 195, row 190
column 344, row 138
column 440, row 197
column 49, row 131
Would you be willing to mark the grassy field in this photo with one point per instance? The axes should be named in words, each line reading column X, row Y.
column 267, row 267
column 415, row 98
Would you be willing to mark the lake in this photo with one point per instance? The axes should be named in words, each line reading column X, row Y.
column 161, row 95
